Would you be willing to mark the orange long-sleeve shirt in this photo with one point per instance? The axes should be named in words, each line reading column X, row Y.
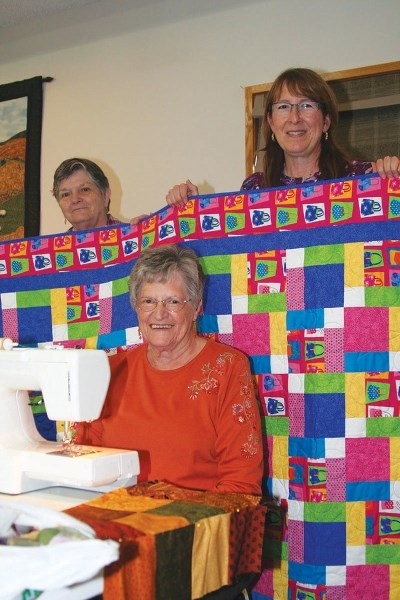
column 197, row 426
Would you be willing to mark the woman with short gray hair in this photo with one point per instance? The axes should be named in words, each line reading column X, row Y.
column 185, row 402
column 83, row 194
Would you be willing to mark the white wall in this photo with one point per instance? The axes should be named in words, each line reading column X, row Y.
column 153, row 89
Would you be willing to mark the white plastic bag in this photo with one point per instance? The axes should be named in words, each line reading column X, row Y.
column 52, row 566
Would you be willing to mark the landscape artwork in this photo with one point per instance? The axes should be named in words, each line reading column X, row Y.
column 20, row 141
column 13, row 115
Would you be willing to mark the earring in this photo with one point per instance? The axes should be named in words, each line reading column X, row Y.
column 273, row 137
column 326, row 135
column 139, row 333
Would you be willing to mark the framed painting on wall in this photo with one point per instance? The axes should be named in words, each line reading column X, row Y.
column 20, row 147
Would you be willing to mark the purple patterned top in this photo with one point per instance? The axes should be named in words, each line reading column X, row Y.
column 110, row 221
column 256, row 180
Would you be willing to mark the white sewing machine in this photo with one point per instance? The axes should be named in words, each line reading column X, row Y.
column 74, row 384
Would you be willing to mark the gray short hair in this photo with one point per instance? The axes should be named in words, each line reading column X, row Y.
column 70, row 165
column 160, row 263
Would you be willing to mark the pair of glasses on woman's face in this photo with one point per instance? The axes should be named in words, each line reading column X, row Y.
column 171, row 304
column 305, row 107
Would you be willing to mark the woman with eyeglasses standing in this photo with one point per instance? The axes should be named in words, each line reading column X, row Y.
column 186, row 403
column 299, row 124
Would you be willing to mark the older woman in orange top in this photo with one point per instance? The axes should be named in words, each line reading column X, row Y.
column 186, row 403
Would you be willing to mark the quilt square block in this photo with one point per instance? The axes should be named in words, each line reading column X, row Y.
column 378, row 585
column 325, row 543
column 218, row 296
column 366, row 329
column 367, row 459
column 122, row 314
column 324, row 415
column 251, row 333
column 323, row 286
column 36, row 323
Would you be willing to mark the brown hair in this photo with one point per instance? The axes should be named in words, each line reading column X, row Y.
column 333, row 161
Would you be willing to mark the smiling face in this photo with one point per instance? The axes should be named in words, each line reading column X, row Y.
column 167, row 332
column 298, row 134
column 82, row 202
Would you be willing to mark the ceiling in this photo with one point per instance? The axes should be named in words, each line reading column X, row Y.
column 14, row 12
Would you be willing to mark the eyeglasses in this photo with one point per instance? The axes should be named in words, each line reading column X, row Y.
column 170, row 304
column 306, row 107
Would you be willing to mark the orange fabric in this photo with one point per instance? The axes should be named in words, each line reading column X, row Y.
column 136, row 578
column 197, row 426
column 201, row 541
column 135, row 570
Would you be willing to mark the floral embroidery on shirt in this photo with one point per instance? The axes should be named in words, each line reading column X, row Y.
column 242, row 412
column 210, row 383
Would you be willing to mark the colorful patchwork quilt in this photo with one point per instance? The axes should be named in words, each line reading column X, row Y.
column 176, row 544
column 305, row 281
